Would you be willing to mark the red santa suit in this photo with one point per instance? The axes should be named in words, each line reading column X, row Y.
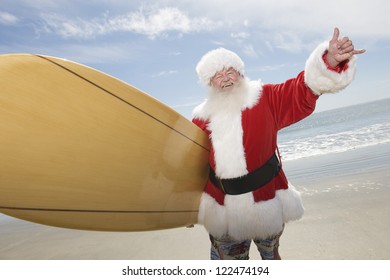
column 242, row 126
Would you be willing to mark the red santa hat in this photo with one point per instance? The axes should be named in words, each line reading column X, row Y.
column 216, row 60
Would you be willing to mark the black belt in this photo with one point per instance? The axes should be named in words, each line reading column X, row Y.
column 251, row 181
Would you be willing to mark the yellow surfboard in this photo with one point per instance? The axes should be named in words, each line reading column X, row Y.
column 80, row 149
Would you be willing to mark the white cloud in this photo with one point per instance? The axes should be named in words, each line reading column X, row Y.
column 240, row 35
column 54, row 23
column 187, row 105
column 8, row 19
column 289, row 42
column 271, row 67
column 250, row 51
column 291, row 26
column 175, row 53
column 301, row 24
column 90, row 53
column 164, row 73
column 361, row 18
column 152, row 23
column 217, row 43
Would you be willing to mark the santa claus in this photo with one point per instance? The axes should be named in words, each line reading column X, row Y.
column 248, row 196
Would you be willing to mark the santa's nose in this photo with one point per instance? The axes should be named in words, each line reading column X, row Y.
column 225, row 78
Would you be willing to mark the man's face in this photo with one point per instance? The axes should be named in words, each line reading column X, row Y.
column 225, row 79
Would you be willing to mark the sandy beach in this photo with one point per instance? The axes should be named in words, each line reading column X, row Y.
column 346, row 197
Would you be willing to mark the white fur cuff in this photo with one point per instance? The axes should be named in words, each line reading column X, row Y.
column 322, row 80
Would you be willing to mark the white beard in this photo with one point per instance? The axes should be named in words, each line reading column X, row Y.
column 223, row 110
column 244, row 94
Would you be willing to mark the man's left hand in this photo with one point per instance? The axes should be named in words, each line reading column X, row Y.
column 340, row 49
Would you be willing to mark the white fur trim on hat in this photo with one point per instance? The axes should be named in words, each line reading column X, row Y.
column 216, row 60
column 322, row 80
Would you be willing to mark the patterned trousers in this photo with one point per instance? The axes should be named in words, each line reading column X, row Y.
column 225, row 248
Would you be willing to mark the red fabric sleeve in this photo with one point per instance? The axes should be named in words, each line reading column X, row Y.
column 290, row 101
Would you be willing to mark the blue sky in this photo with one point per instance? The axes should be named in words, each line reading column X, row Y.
column 155, row 45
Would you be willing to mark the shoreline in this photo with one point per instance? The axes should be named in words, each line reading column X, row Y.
column 347, row 211
column 346, row 206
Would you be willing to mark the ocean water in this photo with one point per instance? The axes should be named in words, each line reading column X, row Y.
column 336, row 131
